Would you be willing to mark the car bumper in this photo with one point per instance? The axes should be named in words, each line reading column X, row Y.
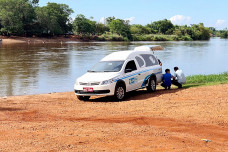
column 98, row 90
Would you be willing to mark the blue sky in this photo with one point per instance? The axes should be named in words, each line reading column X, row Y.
column 210, row 12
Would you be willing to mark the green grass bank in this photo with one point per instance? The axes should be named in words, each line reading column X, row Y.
column 206, row 80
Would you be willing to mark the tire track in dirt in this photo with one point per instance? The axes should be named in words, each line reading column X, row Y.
column 169, row 124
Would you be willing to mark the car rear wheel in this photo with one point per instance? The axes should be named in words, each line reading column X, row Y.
column 120, row 92
column 83, row 98
column 151, row 85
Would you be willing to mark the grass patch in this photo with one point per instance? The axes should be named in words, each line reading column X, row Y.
column 153, row 37
column 110, row 37
column 206, row 80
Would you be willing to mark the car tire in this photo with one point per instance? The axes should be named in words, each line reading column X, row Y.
column 151, row 85
column 120, row 92
column 83, row 98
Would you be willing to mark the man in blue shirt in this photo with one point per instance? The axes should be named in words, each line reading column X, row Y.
column 166, row 79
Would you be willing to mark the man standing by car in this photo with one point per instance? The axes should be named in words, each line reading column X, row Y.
column 178, row 77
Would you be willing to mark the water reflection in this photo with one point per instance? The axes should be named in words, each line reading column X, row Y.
column 43, row 68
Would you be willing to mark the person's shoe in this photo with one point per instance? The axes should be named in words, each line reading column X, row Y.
column 169, row 88
column 180, row 86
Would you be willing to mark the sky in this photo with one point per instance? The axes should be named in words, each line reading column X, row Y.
column 213, row 13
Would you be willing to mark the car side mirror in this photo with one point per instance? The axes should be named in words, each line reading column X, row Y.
column 128, row 70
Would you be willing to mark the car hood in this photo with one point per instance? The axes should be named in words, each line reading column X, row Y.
column 97, row 76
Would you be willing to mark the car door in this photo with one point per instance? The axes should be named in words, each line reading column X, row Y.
column 131, row 76
column 142, row 76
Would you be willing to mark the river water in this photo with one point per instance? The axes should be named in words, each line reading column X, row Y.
column 44, row 68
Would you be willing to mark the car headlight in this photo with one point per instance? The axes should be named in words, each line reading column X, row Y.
column 107, row 81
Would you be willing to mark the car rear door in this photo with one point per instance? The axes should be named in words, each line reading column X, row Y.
column 152, row 66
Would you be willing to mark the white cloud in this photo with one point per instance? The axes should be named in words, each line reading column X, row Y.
column 220, row 23
column 102, row 20
column 180, row 20
column 130, row 19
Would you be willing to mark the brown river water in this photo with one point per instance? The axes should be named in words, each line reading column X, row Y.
column 44, row 68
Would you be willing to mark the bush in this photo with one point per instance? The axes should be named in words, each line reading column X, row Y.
column 110, row 37
column 224, row 34
column 185, row 38
column 100, row 38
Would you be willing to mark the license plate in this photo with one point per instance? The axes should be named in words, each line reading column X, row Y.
column 87, row 89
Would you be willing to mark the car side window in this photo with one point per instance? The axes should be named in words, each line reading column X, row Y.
column 149, row 59
column 131, row 66
column 140, row 61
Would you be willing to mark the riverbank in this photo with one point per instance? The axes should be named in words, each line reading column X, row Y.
column 167, row 120
column 104, row 37
column 62, row 39
column 17, row 39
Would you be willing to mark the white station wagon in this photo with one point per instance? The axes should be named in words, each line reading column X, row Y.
column 121, row 72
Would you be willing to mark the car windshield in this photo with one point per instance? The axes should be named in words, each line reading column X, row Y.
column 107, row 66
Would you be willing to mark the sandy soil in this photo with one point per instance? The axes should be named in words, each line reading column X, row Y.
column 175, row 120
column 16, row 39
column 10, row 41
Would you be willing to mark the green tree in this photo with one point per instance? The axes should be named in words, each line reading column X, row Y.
column 139, row 29
column 28, row 19
column 109, row 20
column 120, row 27
column 16, row 16
column 83, row 26
column 195, row 31
column 200, row 32
column 54, row 18
column 101, row 29
column 224, row 34
column 163, row 26
column 35, row 1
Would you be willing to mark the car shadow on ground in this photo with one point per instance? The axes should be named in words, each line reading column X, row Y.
column 136, row 95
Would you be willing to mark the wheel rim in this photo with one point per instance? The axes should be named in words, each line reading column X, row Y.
column 153, row 85
column 120, row 92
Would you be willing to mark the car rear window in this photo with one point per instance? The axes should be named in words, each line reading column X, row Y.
column 149, row 59
column 140, row 61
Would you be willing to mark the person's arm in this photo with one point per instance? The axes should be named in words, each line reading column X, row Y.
column 159, row 61
column 174, row 76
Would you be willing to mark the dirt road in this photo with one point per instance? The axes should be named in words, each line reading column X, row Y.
column 174, row 120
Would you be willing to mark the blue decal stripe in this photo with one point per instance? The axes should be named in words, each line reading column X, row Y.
column 138, row 73
column 143, row 84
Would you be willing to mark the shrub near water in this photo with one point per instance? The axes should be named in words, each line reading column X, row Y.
column 153, row 37
column 199, row 80
column 110, row 37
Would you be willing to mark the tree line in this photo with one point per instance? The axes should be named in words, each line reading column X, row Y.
column 27, row 18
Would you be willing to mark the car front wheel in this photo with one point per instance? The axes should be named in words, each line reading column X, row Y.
column 120, row 92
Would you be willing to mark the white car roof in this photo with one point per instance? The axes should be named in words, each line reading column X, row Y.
column 123, row 55
column 148, row 48
column 117, row 56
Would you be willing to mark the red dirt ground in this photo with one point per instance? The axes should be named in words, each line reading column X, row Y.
column 174, row 120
